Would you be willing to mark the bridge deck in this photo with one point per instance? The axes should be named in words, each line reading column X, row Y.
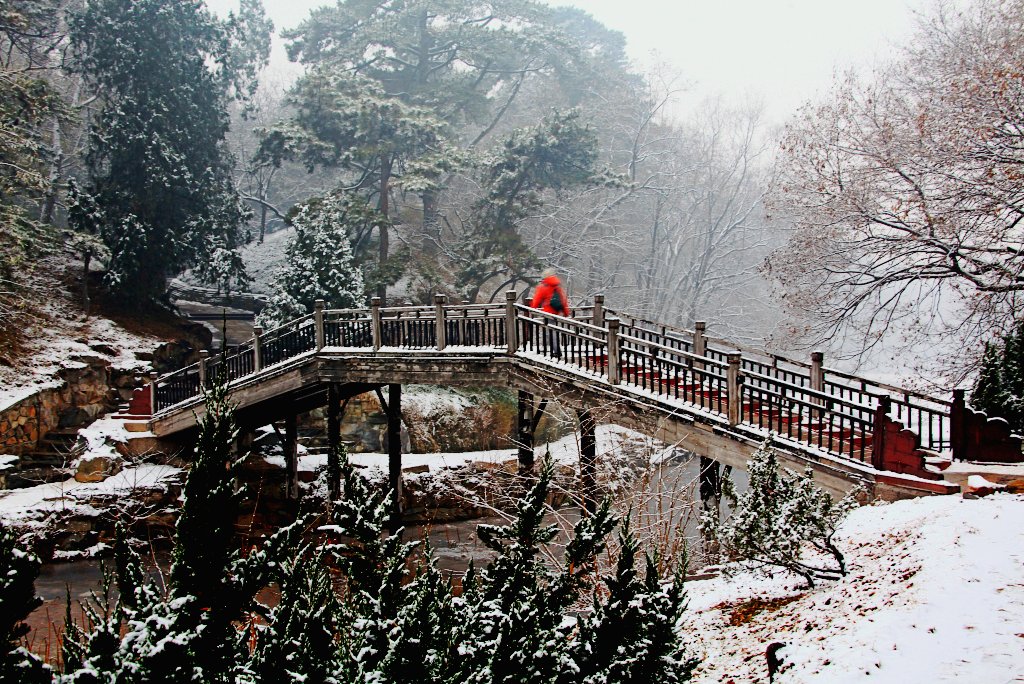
column 677, row 384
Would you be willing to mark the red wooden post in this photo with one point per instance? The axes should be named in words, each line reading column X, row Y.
column 957, row 433
column 878, row 433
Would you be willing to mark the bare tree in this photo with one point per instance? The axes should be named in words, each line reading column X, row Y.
column 904, row 191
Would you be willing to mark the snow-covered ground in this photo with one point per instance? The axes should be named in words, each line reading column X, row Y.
column 935, row 593
column 34, row 507
column 565, row 451
column 64, row 340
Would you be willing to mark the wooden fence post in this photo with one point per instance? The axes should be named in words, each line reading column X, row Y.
column 613, row 351
column 257, row 351
column 817, row 371
column 957, row 432
column 878, row 432
column 817, row 383
column 204, row 354
column 599, row 310
column 375, row 324
column 511, row 331
column 318, row 323
column 152, row 392
column 439, row 326
column 700, row 341
column 733, row 387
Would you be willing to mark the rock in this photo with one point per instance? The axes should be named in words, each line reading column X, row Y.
column 977, row 487
column 103, row 349
column 1015, row 486
column 97, row 468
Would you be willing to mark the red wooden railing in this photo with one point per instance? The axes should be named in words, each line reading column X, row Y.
column 847, row 416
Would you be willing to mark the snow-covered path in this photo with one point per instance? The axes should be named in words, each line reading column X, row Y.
column 935, row 594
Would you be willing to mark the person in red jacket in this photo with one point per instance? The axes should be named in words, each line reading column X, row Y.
column 551, row 298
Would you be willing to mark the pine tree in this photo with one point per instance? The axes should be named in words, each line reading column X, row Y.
column 780, row 516
column 513, row 611
column 157, row 164
column 27, row 103
column 320, row 263
column 376, row 570
column 633, row 636
column 204, row 538
column 557, row 154
column 18, row 571
column 999, row 391
column 298, row 644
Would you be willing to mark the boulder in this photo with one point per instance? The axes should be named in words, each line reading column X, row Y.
column 977, row 486
column 97, row 468
column 1015, row 486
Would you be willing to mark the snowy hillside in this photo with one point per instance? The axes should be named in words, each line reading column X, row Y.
column 935, row 593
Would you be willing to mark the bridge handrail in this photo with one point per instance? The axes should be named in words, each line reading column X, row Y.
column 487, row 307
column 530, row 312
column 344, row 312
column 725, row 346
column 819, row 420
column 398, row 310
column 689, row 356
column 645, row 351
column 927, row 415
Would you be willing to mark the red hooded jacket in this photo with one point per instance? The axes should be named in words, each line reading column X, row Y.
column 542, row 297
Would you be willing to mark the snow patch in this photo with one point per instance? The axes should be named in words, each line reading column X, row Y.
column 935, row 593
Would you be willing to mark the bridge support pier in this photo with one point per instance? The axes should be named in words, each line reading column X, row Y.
column 524, row 431
column 710, row 483
column 588, row 461
column 393, row 408
column 291, row 458
column 333, row 440
column 710, row 488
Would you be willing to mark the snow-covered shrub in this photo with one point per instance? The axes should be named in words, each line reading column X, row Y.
column 1000, row 387
column 780, row 518
column 19, row 568
column 632, row 636
column 391, row 616
column 513, row 621
column 319, row 262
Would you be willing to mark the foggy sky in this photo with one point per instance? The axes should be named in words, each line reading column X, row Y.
column 783, row 52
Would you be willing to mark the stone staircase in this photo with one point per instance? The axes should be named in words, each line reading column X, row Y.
column 49, row 461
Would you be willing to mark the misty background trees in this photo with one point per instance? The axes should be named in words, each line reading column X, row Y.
column 494, row 138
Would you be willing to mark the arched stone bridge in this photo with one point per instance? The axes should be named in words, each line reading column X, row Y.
column 700, row 393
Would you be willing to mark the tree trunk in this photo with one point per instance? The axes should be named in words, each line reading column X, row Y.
column 86, row 260
column 383, row 208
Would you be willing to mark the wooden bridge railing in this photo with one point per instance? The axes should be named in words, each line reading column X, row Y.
column 927, row 416
column 825, row 408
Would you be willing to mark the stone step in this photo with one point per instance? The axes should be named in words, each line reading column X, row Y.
column 48, row 459
column 59, row 446
column 30, row 477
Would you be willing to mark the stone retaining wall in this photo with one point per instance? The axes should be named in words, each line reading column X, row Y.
column 87, row 387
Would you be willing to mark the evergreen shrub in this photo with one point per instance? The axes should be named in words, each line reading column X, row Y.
column 999, row 391
column 781, row 517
